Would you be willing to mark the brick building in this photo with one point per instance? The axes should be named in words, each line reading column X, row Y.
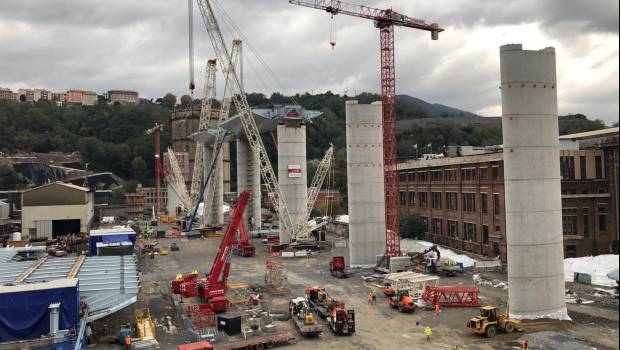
column 461, row 199
column 7, row 95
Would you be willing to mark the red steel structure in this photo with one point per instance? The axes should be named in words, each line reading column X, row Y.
column 159, row 167
column 451, row 296
column 385, row 21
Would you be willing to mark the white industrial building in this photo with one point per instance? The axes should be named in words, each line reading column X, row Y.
column 56, row 209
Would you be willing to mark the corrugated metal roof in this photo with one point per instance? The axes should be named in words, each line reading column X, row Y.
column 478, row 158
column 107, row 283
column 589, row 134
column 59, row 183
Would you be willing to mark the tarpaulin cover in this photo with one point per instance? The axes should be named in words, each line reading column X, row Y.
column 25, row 315
column 94, row 239
column 115, row 239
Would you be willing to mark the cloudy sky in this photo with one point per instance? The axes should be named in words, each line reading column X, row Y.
column 142, row 46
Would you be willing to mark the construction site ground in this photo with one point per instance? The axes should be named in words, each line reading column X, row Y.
column 377, row 326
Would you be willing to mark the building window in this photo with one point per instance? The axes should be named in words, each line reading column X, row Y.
column 411, row 176
column 571, row 251
column 452, row 175
column 412, row 199
column 436, row 200
column 403, row 198
column 569, row 221
column 423, row 176
column 437, row 175
column 469, row 230
column 453, row 228
column 567, row 167
column 496, row 175
column 598, row 166
column 602, row 219
column 402, row 177
column 485, row 234
column 498, row 229
column 484, row 203
column 468, row 174
column 496, row 203
column 496, row 250
column 484, row 173
column 451, row 201
column 425, row 221
column 436, row 226
column 586, row 222
column 469, row 202
column 423, row 199
column 582, row 168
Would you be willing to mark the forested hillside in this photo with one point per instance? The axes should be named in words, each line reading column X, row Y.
column 112, row 137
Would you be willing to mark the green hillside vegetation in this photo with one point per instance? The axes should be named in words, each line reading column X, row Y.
column 113, row 138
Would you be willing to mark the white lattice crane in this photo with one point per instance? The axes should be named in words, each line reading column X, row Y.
column 313, row 192
column 177, row 181
column 247, row 120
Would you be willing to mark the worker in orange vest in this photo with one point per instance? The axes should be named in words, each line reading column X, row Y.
column 128, row 342
column 369, row 298
column 437, row 309
column 524, row 345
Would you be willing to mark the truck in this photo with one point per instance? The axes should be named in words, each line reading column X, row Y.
column 303, row 318
column 402, row 301
column 337, row 267
column 339, row 319
column 257, row 342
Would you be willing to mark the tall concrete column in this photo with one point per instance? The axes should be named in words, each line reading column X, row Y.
column 292, row 172
column 532, row 183
column 214, row 197
column 248, row 179
column 365, row 183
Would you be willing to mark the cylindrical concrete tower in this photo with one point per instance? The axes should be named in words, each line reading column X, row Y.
column 292, row 171
column 532, row 183
column 365, row 183
column 248, row 178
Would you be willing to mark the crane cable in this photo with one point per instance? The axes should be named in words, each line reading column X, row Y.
column 332, row 32
column 190, row 24
column 233, row 28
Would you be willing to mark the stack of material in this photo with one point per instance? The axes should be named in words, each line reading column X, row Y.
column 412, row 281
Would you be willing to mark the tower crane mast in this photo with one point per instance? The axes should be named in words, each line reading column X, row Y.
column 247, row 120
column 385, row 21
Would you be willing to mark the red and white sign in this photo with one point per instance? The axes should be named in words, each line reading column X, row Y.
column 294, row 170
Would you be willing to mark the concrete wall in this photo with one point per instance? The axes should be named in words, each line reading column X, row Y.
column 248, row 179
column 294, row 185
column 30, row 215
column 365, row 183
column 532, row 183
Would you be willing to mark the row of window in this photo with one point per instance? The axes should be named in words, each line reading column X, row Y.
column 570, row 221
column 450, row 175
column 469, row 230
column 567, row 167
column 468, row 201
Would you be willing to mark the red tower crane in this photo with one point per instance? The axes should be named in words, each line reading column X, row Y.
column 385, row 21
column 159, row 167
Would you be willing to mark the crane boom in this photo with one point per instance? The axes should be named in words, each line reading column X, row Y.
column 335, row 7
column 385, row 21
column 177, row 181
column 203, row 123
column 313, row 191
column 247, row 120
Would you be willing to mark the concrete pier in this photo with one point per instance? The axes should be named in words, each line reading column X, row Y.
column 248, row 178
column 365, row 183
column 532, row 183
column 292, row 170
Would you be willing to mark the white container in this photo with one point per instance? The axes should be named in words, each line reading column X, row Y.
column 17, row 236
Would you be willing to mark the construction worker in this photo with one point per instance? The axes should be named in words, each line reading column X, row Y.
column 437, row 309
column 428, row 332
column 179, row 277
column 374, row 296
column 127, row 342
column 369, row 298
column 456, row 347
column 524, row 344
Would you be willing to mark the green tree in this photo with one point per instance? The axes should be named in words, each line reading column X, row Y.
column 169, row 100
column 140, row 171
column 412, row 226
column 118, row 196
column 186, row 100
column 9, row 179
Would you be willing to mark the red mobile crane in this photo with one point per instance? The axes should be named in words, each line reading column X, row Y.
column 244, row 247
column 384, row 20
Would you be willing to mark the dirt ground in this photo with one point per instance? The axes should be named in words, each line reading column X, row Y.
column 377, row 326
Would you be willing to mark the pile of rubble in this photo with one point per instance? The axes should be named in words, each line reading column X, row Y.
column 495, row 283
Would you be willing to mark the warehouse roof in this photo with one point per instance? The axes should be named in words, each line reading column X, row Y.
column 590, row 134
column 107, row 283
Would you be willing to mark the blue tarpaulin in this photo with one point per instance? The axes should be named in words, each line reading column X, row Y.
column 24, row 314
column 109, row 236
column 115, row 239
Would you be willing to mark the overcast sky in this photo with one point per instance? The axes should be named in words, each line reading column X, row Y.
column 142, row 45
